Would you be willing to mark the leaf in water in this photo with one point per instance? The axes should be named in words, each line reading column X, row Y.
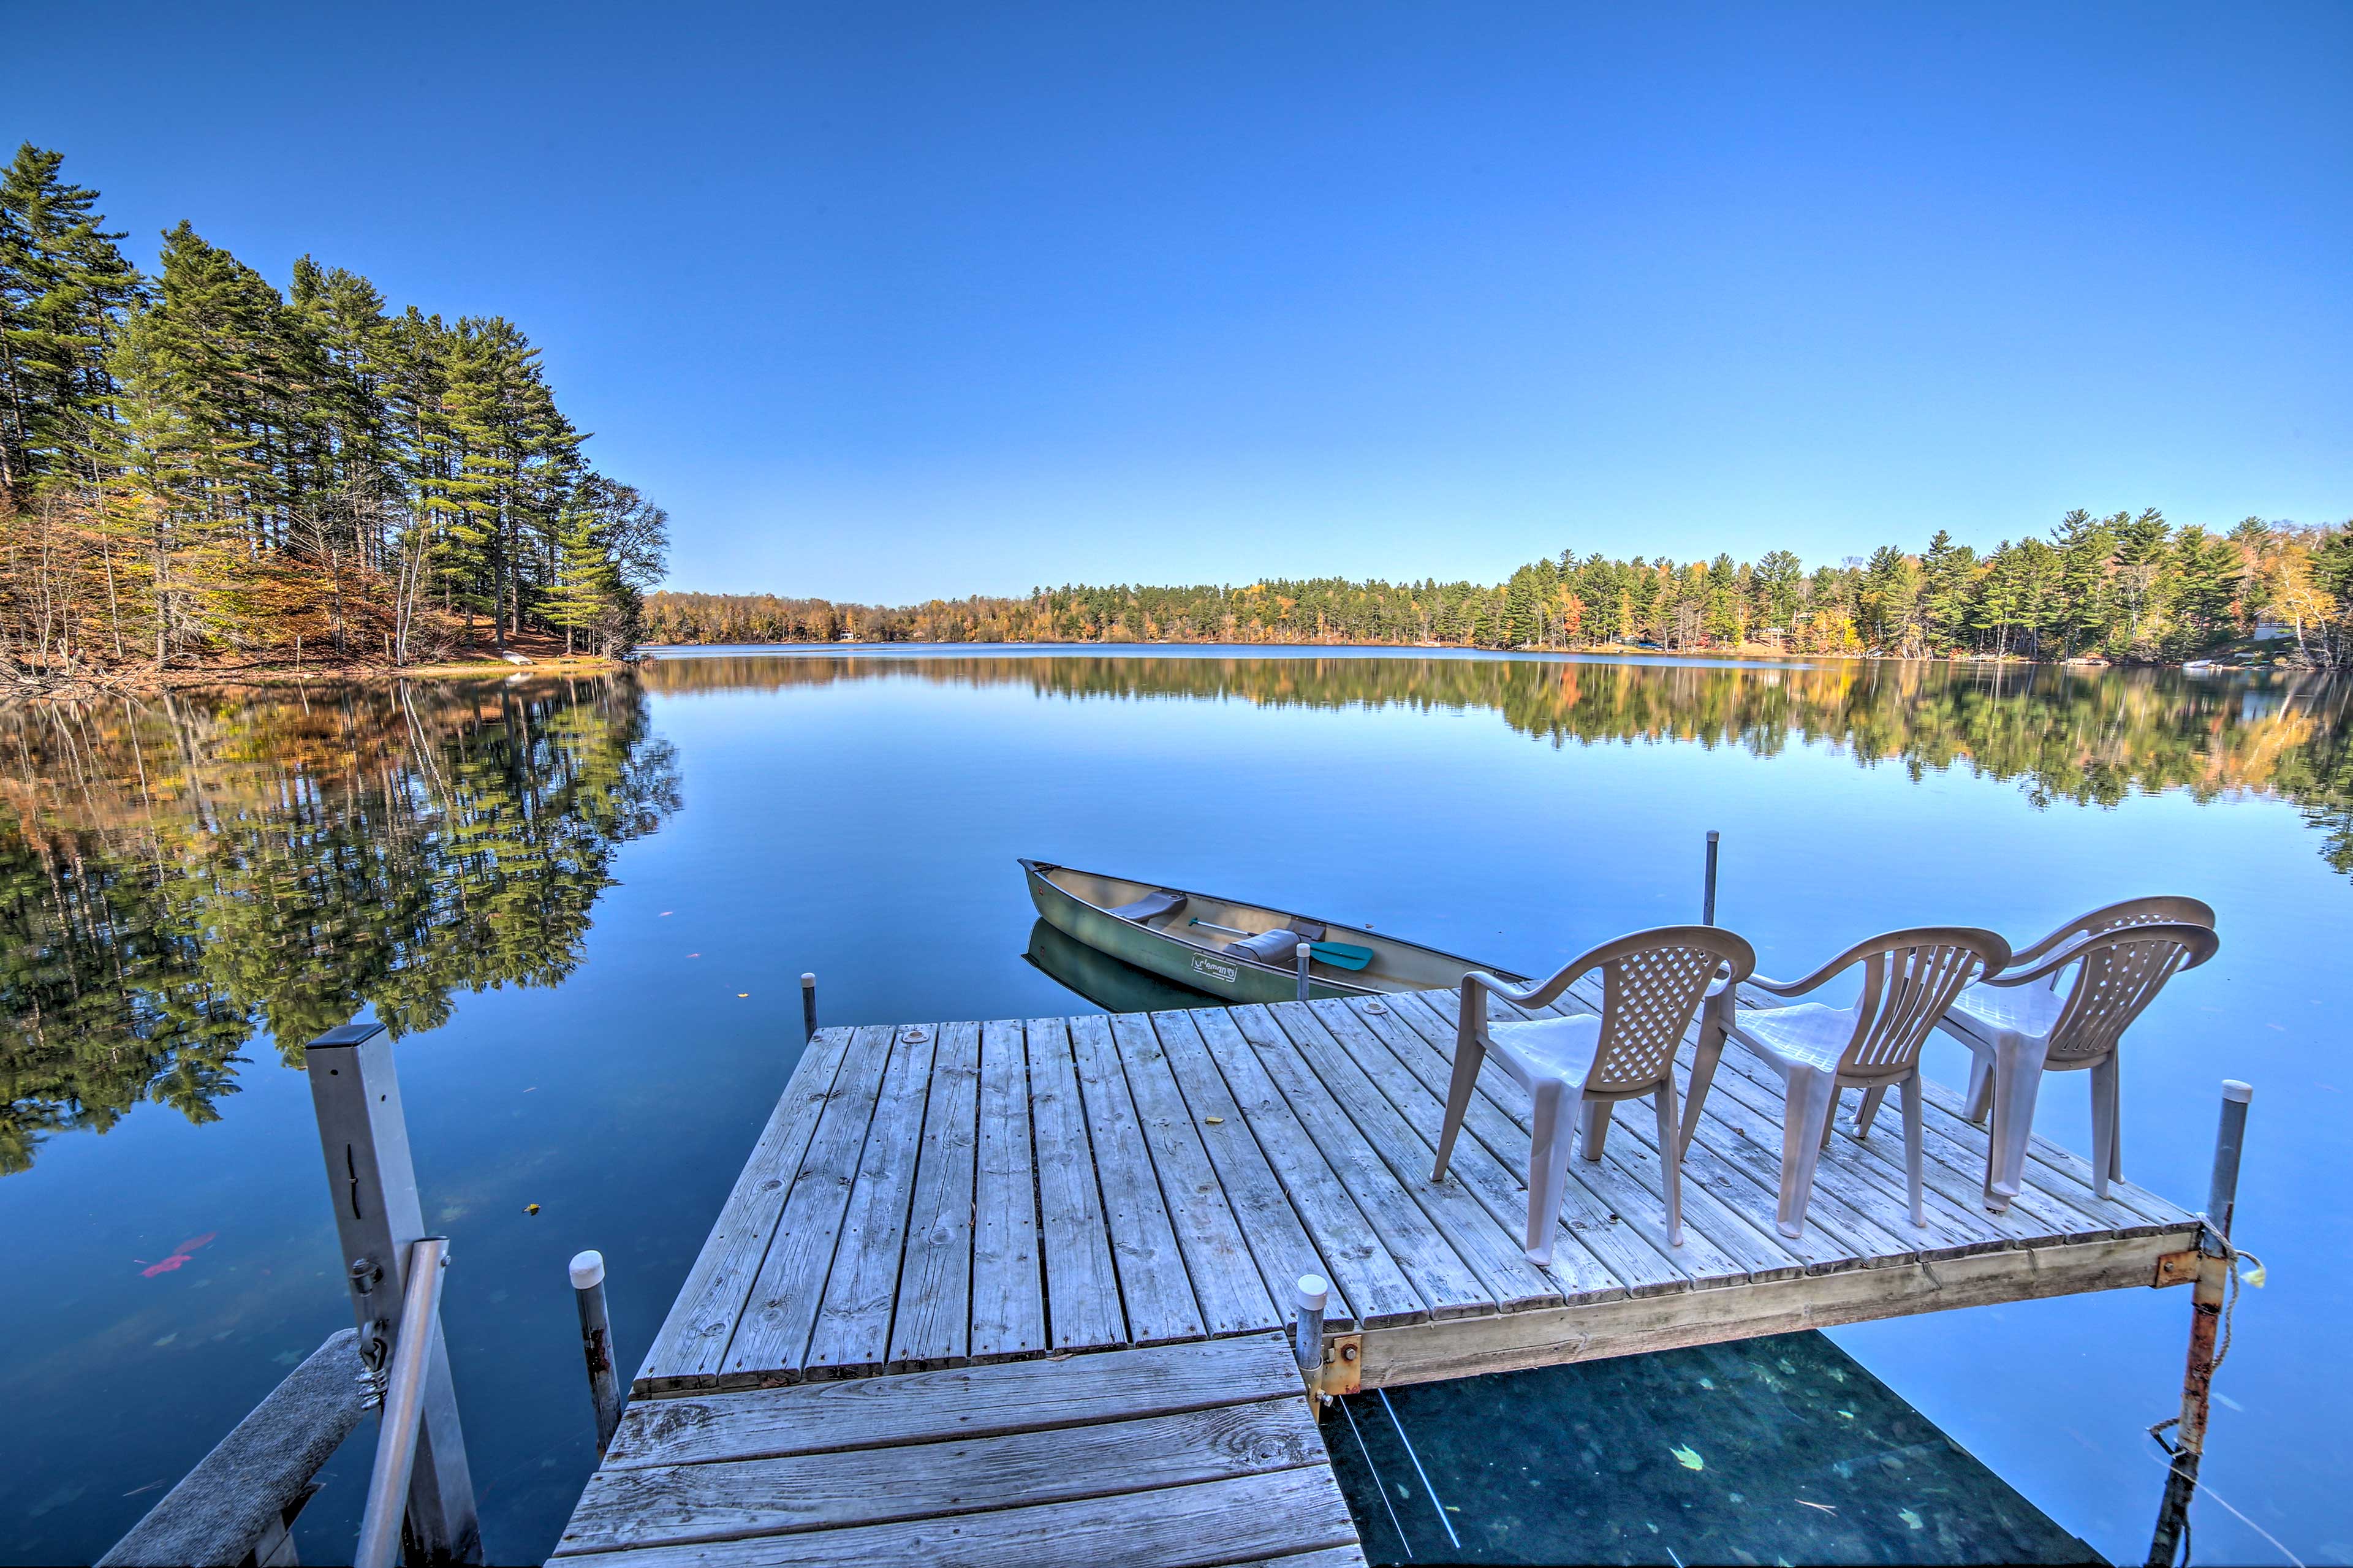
column 1911, row 1521
column 1688, row 1458
column 1708, row 1383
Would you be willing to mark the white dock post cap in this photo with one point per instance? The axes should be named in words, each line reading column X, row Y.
column 809, row 982
column 588, row 1271
column 2234, row 1090
column 1314, row 1289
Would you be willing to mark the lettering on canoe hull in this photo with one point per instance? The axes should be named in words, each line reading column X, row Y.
column 1210, row 966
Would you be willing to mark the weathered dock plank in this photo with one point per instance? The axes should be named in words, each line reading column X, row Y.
column 933, row 1325
column 1189, row 1453
column 1083, row 1307
column 1233, row 1298
column 1008, row 1298
column 1153, row 1280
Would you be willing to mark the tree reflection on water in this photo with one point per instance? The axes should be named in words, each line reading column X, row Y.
column 2085, row 737
column 179, row 872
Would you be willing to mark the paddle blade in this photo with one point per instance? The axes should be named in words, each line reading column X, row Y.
column 1340, row 955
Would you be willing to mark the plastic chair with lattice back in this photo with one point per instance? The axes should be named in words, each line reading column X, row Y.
column 2018, row 1029
column 1909, row 979
column 1576, row 1067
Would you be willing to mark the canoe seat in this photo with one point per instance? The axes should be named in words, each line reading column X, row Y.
column 1276, row 947
column 1151, row 906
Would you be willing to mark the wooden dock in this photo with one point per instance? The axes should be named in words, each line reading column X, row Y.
column 932, row 1196
column 931, row 1201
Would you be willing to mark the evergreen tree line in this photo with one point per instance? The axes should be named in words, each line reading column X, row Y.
column 2125, row 586
column 195, row 464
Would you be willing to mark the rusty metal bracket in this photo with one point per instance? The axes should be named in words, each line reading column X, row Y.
column 2175, row 1268
column 1344, row 1364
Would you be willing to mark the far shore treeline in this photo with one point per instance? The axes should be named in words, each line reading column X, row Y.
column 2125, row 586
column 197, row 469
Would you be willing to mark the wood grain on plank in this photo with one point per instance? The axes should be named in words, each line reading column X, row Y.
column 1451, row 1287
column 932, row 1325
column 1495, row 1250
column 1008, row 1299
column 1270, row 1514
column 659, row 1505
column 1377, row 1285
column 1153, row 1282
column 1278, row 1242
column 772, row 1338
column 852, row 1333
column 957, row 1402
column 1083, row 1307
column 1233, row 1298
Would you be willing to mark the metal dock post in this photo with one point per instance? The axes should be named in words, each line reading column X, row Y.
column 378, row 1220
column 2215, row 1262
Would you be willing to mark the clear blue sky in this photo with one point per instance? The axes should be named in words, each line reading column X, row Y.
column 885, row 301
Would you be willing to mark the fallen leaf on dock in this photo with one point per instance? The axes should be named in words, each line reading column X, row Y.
column 1688, row 1457
column 1215, row 1121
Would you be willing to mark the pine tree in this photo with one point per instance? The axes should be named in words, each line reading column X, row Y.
column 63, row 286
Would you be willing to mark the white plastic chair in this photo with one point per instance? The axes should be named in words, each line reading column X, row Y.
column 2022, row 1024
column 1909, row 979
column 1652, row 984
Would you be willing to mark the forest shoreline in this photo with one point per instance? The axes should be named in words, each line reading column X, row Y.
column 146, row 681
column 1749, row 653
column 82, row 686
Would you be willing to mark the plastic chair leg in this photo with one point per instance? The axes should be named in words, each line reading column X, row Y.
column 1556, row 1104
column 1594, row 1129
column 2107, row 1152
column 2017, row 1082
column 1979, row 1103
column 1868, row 1112
column 1812, row 1097
column 1671, row 1160
column 1469, row 1052
column 1709, row 1052
column 1915, row 1146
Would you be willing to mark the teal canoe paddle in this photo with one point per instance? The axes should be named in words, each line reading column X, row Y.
column 1339, row 954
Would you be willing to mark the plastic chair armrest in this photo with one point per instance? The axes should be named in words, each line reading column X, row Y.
column 1536, row 996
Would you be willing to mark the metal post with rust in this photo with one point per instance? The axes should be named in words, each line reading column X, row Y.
column 1307, row 1333
column 587, row 1272
column 2206, row 1294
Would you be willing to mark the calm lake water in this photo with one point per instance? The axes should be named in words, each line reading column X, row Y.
column 582, row 906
